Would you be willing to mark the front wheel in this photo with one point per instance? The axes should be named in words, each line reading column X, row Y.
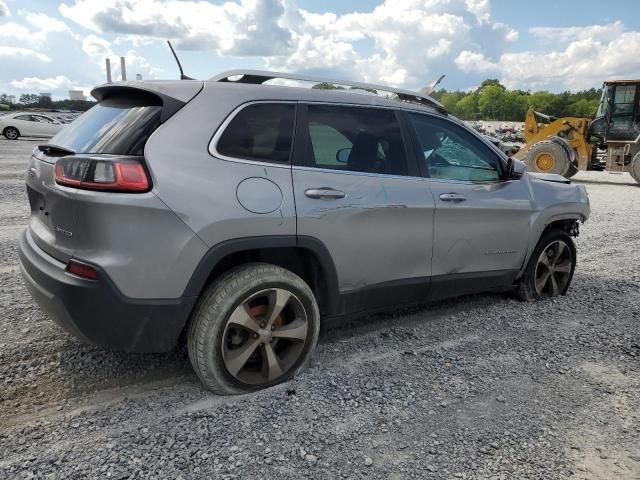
column 255, row 326
column 11, row 133
column 550, row 268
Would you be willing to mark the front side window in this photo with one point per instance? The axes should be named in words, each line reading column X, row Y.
column 452, row 153
column 24, row 118
column 356, row 139
column 262, row 132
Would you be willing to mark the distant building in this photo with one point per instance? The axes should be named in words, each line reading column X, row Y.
column 76, row 95
column 138, row 76
column 45, row 94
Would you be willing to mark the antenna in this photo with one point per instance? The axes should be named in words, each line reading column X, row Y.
column 182, row 75
column 428, row 90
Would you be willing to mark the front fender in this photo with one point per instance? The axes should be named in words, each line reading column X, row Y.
column 553, row 202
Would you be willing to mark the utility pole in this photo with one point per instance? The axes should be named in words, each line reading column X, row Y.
column 123, row 69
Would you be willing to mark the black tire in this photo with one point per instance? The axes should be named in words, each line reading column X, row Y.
column 11, row 133
column 547, row 152
column 635, row 167
column 526, row 289
column 209, row 339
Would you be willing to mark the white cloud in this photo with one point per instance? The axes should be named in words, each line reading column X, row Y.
column 569, row 34
column 246, row 28
column 591, row 54
column 4, row 10
column 583, row 64
column 42, row 84
column 474, row 62
column 15, row 31
column 18, row 52
column 406, row 42
column 45, row 23
column 20, row 35
column 413, row 41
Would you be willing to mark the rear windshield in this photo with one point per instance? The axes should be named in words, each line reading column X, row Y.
column 118, row 126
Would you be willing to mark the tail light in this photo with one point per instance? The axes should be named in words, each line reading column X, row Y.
column 104, row 174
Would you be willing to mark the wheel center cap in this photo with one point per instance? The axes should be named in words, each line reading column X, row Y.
column 265, row 334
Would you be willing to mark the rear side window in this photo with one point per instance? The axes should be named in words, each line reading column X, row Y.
column 262, row 131
column 356, row 139
column 117, row 125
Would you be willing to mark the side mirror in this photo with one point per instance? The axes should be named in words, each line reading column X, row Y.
column 342, row 155
column 515, row 169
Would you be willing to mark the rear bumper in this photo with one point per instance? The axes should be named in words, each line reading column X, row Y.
column 95, row 311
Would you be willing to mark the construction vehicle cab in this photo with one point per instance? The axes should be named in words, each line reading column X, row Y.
column 566, row 145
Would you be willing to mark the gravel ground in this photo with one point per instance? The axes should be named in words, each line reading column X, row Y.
column 479, row 387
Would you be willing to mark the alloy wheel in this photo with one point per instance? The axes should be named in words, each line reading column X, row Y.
column 553, row 269
column 264, row 336
column 11, row 133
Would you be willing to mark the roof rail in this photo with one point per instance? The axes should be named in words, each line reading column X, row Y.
column 257, row 77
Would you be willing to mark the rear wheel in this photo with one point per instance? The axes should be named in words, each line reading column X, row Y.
column 548, row 157
column 11, row 133
column 550, row 269
column 254, row 327
column 635, row 167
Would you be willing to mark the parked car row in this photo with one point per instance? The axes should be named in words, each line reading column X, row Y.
column 34, row 124
column 21, row 124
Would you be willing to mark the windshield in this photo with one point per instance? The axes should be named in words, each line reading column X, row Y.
column 118, row 126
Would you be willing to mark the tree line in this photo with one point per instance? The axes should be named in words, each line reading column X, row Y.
column 33, row 100
column 493, row 101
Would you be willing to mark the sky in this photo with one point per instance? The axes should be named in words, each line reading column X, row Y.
column 50, row 46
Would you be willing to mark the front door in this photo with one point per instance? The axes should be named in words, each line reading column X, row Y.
column 358, row 191
column 481, row 222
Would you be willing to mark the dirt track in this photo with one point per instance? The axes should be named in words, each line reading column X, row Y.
column 479, row 387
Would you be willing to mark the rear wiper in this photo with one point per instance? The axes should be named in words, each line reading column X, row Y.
column 52, row 148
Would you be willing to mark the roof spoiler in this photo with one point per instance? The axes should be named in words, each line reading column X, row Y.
column 170, row 104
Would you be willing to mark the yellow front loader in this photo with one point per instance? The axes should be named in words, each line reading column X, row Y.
column 556, row 145
column 566, row 145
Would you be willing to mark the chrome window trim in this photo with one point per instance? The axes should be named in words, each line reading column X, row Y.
column 213, row 144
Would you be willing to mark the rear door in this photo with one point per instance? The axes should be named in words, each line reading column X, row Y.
column 481, row 222
column 357, row 190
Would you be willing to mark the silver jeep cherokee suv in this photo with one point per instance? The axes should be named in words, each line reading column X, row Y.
column 243, row 213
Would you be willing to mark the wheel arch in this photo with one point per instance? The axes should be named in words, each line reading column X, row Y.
column 307, row 257
column 569, row 222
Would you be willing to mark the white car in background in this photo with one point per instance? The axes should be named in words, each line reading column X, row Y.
column 15, row 125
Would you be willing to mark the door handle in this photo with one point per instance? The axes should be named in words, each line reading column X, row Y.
column 324, row 192
column 452, row 197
